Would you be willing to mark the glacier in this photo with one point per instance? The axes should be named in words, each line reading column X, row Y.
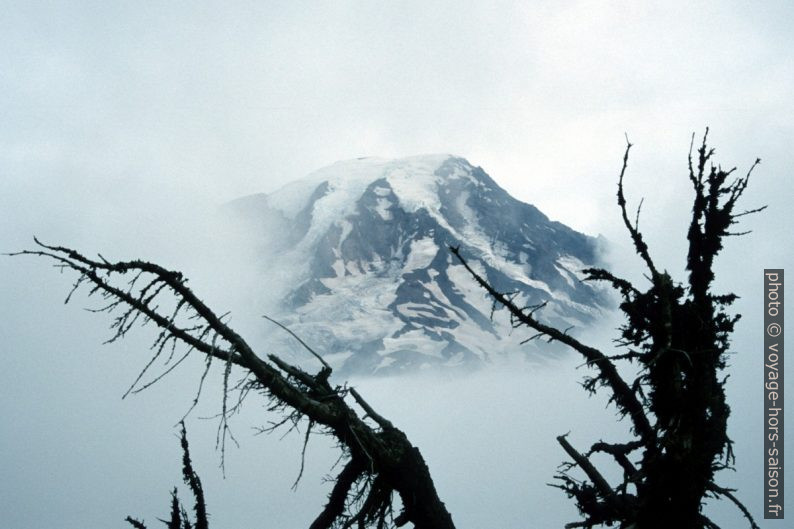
column 357, row 257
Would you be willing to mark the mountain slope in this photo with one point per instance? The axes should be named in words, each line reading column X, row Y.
column 359, row 261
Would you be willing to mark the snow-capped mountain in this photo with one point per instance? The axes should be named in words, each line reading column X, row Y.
column 357, row 257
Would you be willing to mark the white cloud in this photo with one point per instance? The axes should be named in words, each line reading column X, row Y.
column 123, row 125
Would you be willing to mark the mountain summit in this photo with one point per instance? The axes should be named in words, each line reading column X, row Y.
column 358, row 259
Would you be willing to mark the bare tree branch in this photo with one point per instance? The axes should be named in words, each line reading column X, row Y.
column 636, row 236
column 623, row 395
column 728, row 493
column 595, row 476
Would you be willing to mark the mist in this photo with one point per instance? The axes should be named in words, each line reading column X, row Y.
column 126, row 128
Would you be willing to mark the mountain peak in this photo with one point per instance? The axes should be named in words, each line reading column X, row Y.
column 348, row 179
column 360, row 251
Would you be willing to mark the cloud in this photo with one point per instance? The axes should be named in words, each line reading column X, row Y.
column 123, row 126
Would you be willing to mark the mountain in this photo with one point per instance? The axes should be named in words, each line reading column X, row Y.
column 356, row 256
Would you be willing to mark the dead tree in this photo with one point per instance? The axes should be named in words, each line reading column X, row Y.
column 678, row 336
column 381, row 465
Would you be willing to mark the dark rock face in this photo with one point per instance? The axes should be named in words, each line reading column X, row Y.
column 373, row 284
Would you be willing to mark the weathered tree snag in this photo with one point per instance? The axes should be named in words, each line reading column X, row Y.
column 381, row 459
column 679, row 335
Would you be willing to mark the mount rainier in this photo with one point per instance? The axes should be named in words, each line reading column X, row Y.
column 357, row 259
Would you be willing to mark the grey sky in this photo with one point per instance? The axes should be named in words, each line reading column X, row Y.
column 123, row 124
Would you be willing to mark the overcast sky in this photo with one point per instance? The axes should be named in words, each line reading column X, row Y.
column 124, row 124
